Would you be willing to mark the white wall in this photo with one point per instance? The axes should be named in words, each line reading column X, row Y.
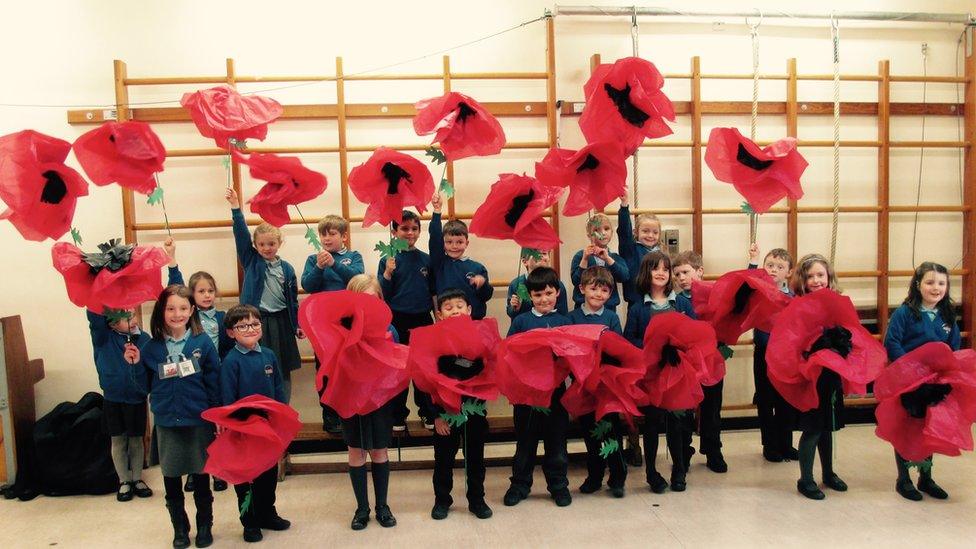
column 60, row 53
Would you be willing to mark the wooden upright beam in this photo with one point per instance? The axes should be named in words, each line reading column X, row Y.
column 343, row 152
column 122, row 114
column 449, row 169
column 792, row 130
column 884, row 135
column 969, row 189
column 551, row 116
column 696, row 156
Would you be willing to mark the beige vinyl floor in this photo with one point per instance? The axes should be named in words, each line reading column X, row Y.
column 754, row 505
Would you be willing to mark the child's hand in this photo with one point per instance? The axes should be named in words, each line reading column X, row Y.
column 624, row 201
column 477, row 281
column 587, row 252
column 131, row 354
column 300, row 334
column 324, row 259
column 232, row 199
column 390, row 267
column 435, row 202
column 170, row 247
column 753, row 253
column 514, row 302
column 603, row 254
column 441, row 427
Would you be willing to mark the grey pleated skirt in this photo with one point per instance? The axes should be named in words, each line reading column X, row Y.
column 183, row 450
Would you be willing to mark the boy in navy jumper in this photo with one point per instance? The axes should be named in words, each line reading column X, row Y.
column 598, row 252
column 530, row 425
column 595, row 284
column 327, row 271
column 250, row 369
column 687, row 268
column 405, row 281
column 449, row 266
column 515, row 305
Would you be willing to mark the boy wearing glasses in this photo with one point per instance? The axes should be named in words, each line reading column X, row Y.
column 250, row 369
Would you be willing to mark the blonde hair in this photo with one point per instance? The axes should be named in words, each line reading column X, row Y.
column 640, row 219
column 598, row 219
column 333, row 223
column 363, row 282
column 266, row 228
column 799, row 282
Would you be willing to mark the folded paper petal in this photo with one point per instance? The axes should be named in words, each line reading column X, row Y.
column 596, row 175
column 128, row 153
column 461, row 126
column 389, row 182
column 138, row 281
column 513, row 210
column 221, row 113
column 737, row 302
column 613, row 385
column 681, row 355
column 288, row 183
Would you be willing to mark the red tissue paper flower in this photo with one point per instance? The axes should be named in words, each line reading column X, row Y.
column 389, row 182
column 624, row 103
column 513, row 210
column 927, row 402
column 737, row 302
column 681, row 355
column 762, row 176
column 288, row 183
column 128, row 153
column 349, row 333
column 612, row 387
column 596, row 175
column 119, row 276
column 223, row 114
column 256, row 432
column 532, row 365
column 455, row 358
column 463, row 127
column 816, row 331
column 39, row 190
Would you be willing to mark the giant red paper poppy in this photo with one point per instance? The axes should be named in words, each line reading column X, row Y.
column 128, row 153
column 513, row 210
column 613, row 386
column 815, row 331
column 681, row 355
column 288, row 183
column 737, row 302
column 532, row 365
column 927, row 402
column 222, row 113
column 256, row 432
column 624, row 103
column 596, row 175
column 118, row 276
column 349, row 333
column 463, row 127
column 455, row 358
column 762, row 176
column 389, row 182
column 39, row 190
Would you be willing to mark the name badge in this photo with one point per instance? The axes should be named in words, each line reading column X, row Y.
column 169, row 370
column 188, row 367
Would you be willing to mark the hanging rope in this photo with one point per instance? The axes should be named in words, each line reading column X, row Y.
column 635, row 47
column 835, row 36
column 921, row 152
column 754, row 34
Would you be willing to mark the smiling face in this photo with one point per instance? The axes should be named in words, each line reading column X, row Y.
column 817, row 277
column 600, row 232
column 204, row 294
column 648, row 233
column 660, row 279
column 778, row 268
column 409, row 231
column 544, row 300
column 455, row 245
column 332, row 240
column 685, row 274
column 933, row 288
column 177, row 314
column 595, row 295
column 453, row 307
column 267, row 245
column 246, row 332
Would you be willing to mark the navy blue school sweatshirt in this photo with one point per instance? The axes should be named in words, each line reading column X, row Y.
column 562, row 302
column 114, row 373
column 178, row 401
column 219, row 337
column 348, row 264
column 457, row 273
column 247, row 372
column 905, row 332
column 256, row 271
column 408, row 290
column 632, row 253
column 618, row 270
column 604, row 316
column 532, row 320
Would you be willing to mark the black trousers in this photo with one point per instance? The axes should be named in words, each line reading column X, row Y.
column 404, row 322
column 262, row 503
column 531, row 426
column 327, row 411
column 202, row 496
column 470, row 437
column 776, row 416
column 676, row 430
column 595, row 464
column 710, row 419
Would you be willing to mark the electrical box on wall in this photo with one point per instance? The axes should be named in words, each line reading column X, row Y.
column 671, row 242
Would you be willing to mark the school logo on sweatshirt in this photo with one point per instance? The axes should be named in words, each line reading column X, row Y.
column 423, row 271
column 345, row 261
column 947, row 328
column 197, row 353
column 268, row 370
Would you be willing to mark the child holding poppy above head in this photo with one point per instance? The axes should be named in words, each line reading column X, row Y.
column 405, row 280
column 250, row 369
column 515, row 305
column 180, row 367
column 450, row 268
column 531, row 426
column 926, row 315
column 600, row 232
column 271, row 286
column 654, row 283
column 634, row 243
column 329, row 270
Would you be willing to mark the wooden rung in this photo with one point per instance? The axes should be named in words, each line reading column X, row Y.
column 779, row 108
column 170, row 80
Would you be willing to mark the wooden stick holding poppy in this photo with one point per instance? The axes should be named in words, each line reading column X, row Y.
column 310, row 235
column 156, row 197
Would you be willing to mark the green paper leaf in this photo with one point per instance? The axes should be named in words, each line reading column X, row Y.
column 747, row 209
column 225, row 161
column 436, row 155
column 246, row 504
column 76, row 236
column 471, row 408
column 523, row 293
column 601, row 429
column 239, row 144
column 115, row 315
column 680, row 413
column 446, row 188
column 543, row 409
column 725, row 350
column 531, row 253
column 155, row 197
column 924, row 466
column 454, row 420
column 608, row 447
column 313, row 239
column 395, row 246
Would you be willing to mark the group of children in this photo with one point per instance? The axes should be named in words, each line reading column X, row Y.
column 197, row 357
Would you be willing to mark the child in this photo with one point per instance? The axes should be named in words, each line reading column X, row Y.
column 514, row 304
column 927, row 314
column 271, row 286
column 814, row 273
column 531, row 426
column 633, row 244
column 776, row 416
column 599, row 232
column 330, row 270
column 595, row 285
column 450, row 267
column 250, row 369
column 447, row 440
column 687, row 268
column 180, row 366
column 654, row 283
column 405, row 281
column 124, row 410
column 372, row 434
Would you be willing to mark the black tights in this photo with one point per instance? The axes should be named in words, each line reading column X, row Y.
column 810, row 442
column 201, row 490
